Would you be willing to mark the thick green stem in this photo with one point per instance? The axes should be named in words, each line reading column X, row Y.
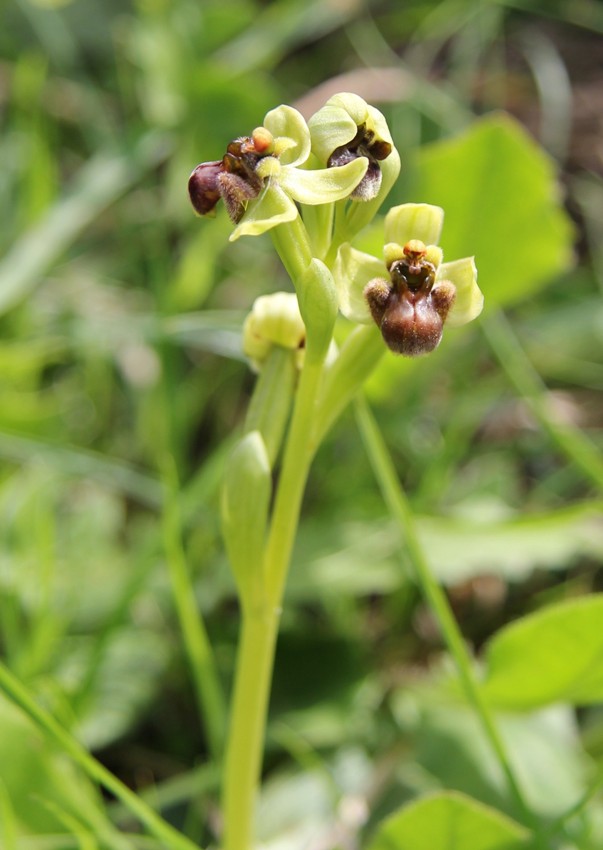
column 293, row 247
column 260, row 628
column 296, row 464
column 270, row 404
column 247, row 723
column 400, row 509
column 260, row 621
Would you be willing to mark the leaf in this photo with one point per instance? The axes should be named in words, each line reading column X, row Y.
column 333, row 560
column 449, row 821
column 502, row 204
column 85, row 840
column 32, row 771
column 8, row 821
column 451, row 748
column 460, row 548
column 554, row 655
column 113, row 473
column 126, row 680
column 99, row 183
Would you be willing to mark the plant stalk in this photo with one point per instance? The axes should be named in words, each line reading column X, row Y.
column 401, row 510
column 260, row 628
column 528, row 383
column 260, row 622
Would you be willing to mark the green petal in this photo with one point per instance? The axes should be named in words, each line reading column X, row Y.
column 324, row 185
column 288, row 122
column 352, row 271
column 271, row 208
column 469, row 300
column 414, row 221
column 330, row 128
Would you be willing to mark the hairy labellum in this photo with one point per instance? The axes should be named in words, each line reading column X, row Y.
column 363, row 144
column 203, row 186
column 233, row 178
column 411, row 309
column 411, row 326
column 238, row 183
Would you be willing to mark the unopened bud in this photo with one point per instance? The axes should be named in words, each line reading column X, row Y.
column 274, row 320
column 245, row 503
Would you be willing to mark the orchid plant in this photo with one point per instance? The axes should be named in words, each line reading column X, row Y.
column 314, row 186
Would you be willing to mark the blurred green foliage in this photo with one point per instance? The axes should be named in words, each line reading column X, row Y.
column 120, row 347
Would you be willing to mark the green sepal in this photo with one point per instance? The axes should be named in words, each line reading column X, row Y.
column 331, row 127
column 286, row 122
column 318, row 305
column 271, row 208
column 246, row 496
column 414, row 221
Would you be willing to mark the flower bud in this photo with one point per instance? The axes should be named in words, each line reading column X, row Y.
column 246, row 497
column 274, row 320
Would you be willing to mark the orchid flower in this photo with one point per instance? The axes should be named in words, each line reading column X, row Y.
column 262, row 176
column 411, row 293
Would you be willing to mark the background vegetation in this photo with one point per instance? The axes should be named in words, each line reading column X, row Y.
column 121, row 375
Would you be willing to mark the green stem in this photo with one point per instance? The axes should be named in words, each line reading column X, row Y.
column 572, row 442
column 293, row 247
column 247, row 724
column 270, row 404
column 401, row 510
column 260, row 621
column 208, row 690
column 299, row 451
column 160, row 829
column 260, row 627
